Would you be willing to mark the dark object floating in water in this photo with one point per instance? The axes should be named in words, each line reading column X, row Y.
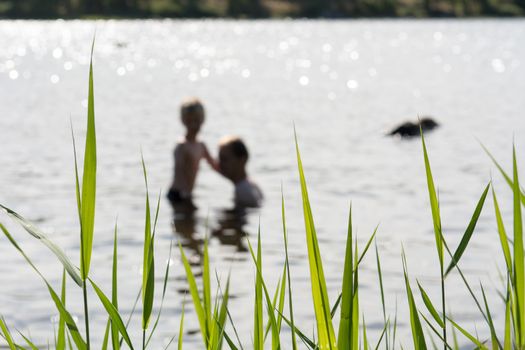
column 410, row 129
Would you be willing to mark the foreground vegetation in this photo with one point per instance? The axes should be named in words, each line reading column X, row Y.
column 258, row 8
column 430, row 322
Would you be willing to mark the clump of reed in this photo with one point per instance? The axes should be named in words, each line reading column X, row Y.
column 269, row 310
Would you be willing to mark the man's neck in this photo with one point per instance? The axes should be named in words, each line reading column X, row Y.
column 241, row 176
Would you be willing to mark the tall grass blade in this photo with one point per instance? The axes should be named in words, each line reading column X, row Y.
column 287, row 263
column 382, row 291
column 7, row 335
column 519, row 271
column 61, row 335
column 504, row 174
column 32, row 346
column 195, row 296
column 325, row 329
column 502, row 234
column 115, row 341
column 206, row 291
column 468, row 232
column 469, row 336
column 258, row 331
column 415, row 324
column 366, row 247
column 70, row 322
column 39, row 234
column 382, row 335
column 345, row 333
column 434, row 205
column 494, row 338
column 89, row 179
column 113, row 313
column 365, row 338
column 310, row 343
column 430, row 306
column 148, row 274
column 181, row 329
column 164, row 287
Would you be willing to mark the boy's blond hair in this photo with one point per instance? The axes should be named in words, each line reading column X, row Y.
column 191, row 106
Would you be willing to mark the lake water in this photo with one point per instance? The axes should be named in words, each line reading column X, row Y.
column 342, row 83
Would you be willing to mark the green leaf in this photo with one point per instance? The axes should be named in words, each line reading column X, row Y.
column 7, row 334
column 519, row 271
column 468, row 232
column 89, row 180
column 325, row 330
column 148, row 274
column 70, row 322
column 114, row 290
column 430, row 306
column 290, row 304
column 195, row 296
column 113, row 313
column 39, row 234
column 502, row 234
column 181, row 329
column 345, row 333
column 469, row 336
column 415, row 324
column 61, row 336
column 504, row 174
column 434, row 205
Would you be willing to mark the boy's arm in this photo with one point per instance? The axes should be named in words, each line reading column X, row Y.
column 211, row 161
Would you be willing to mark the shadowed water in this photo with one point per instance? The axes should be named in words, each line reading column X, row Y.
column 343, row 83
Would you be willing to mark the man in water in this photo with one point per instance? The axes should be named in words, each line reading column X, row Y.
column 233, row 156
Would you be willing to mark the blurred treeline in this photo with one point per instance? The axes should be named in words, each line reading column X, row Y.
column 258, row 8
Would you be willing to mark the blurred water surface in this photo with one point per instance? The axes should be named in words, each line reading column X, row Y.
column 343, row 84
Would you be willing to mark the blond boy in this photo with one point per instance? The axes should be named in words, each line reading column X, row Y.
column 188, row 153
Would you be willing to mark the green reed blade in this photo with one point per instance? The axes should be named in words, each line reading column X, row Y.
column 507, row 342
column 89, row 179
column 164, row 287
column 148, row 269
column 455, row 338
column 430, row 306
column 274, row 306
column 105, row 341
column 282, row 297
column 469, row 336
column 519, row 270
column 61, row 336
column 382, row 335
column 366, row 247
column 290, row 304
column 355, row 302
column 504, row 174
column 494, row 338
column 181, row 329
column 230, row 342
column 382, row 291
column 310, row 343
column 258, row 327
column 325, row 329
column 114, row 288
column 434, row 205
column 394, row 328
column 344, row 336
column 434, row 331
column 365, row 338
column 469, row 231
column 7, row 335
column 206, row 289
column 195, row 296
column 113, row 313
column 336, row 305
column 39, row 234
column 28, row 341
column 502, row 234
column 220, row 318
column 415, row 324
column 70, row 322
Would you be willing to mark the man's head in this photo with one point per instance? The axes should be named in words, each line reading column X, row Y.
column 233, row 156
column 192, row 114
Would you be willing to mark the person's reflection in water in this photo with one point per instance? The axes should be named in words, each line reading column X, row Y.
column 230, row 229
column 184, row 225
